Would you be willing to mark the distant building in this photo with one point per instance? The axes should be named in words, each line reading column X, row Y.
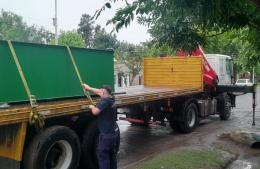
column 123, row 77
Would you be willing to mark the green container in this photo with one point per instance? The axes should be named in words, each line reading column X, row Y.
column 49, row 71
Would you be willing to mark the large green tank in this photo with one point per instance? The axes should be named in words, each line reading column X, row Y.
column 49, row 71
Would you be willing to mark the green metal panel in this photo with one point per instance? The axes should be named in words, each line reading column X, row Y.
column 11, row 86
column 96, row 66
column 49, row 71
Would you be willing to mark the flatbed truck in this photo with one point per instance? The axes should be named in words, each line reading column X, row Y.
column 51, row 126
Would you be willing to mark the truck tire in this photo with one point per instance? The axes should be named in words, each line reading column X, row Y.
column 190, row 118
column 225, row 108
column 89, row 145
column 55, row 147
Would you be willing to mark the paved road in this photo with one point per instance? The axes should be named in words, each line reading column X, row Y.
column 140, row 143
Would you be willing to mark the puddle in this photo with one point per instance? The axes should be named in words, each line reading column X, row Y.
column 239, row 164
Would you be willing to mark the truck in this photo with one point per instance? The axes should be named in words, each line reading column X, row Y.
column 45, row 122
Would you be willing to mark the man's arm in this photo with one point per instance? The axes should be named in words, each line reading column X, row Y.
column 95, row 111
column 94, row 90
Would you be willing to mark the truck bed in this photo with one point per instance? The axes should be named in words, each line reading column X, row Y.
column 137, row 94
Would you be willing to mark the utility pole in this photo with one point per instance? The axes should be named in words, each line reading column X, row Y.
column 55, row 23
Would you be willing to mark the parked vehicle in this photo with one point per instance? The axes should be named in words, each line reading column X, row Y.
column 44, row 117
column 244, row 82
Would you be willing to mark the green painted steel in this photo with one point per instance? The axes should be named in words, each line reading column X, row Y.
column 11, row 87
column 96, row 66
column 49, row 71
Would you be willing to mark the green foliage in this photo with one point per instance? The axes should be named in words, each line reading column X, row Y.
column 12, row 27
column 186, row 23
column 95, row 36
column 236, row 44
column 151, row 50
column 131, row 56
column 104, row 40
column 70, row 38
column 86, row 29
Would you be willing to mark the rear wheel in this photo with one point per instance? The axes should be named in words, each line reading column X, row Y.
column 190, row 118
column 56, row 147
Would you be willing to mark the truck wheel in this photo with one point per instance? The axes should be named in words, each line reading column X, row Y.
column 225, row 109
column 190, row 118
column 55, row 147
column 89, row 145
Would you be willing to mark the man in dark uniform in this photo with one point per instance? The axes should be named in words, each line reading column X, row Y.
column 105, row 110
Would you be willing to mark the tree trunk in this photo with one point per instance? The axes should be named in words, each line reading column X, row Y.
column 132, row 79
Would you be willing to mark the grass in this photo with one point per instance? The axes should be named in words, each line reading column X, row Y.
column 185, row 159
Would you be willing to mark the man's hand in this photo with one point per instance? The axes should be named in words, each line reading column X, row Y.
column 86, row 87
column 95, row 111
column 91, row 106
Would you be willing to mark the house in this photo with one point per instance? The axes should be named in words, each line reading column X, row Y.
column 123, row 77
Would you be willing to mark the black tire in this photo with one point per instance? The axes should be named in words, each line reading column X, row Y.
column 190, row 118
column 89, row 145
column 225, row 109
column 57, row 146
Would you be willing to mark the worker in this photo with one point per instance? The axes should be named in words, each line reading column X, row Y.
column 106, row 117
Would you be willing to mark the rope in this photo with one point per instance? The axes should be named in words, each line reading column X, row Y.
column 34, row 117
column 79, row 76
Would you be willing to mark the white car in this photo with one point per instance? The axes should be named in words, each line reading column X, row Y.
column 244, row 82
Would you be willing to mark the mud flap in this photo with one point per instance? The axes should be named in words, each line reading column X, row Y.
column 12, row 142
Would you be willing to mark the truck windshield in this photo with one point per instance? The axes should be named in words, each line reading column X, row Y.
column 229, row 67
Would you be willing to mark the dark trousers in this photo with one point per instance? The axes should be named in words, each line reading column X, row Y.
column 106, row 151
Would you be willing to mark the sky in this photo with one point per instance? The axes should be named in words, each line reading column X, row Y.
column 41, row 12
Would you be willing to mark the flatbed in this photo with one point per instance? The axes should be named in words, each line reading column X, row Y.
column 140, row 94
column 132, row 95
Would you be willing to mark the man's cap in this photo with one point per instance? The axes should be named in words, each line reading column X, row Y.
column 108, row 88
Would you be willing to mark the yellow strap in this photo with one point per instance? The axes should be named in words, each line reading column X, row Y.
column 19, row 69
column 34, row 117
column 79, row 76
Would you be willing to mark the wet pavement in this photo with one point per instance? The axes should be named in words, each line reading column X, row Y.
column 142, row 143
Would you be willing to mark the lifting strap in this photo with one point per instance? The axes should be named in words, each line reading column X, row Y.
column 34, row 118
column 79, row 76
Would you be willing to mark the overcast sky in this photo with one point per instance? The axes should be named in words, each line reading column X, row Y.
column 41, row 12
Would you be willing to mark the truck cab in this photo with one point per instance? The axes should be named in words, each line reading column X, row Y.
column 223, row 66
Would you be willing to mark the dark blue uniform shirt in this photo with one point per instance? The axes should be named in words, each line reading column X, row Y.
column 107, row 116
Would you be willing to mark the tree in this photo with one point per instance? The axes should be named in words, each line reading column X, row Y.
column 132, row 57
column 12, row 27
column 104, row 40
column 152, row 50
column 186, row 23
column 86, row 29
column 235, row 43
column 70, row 38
